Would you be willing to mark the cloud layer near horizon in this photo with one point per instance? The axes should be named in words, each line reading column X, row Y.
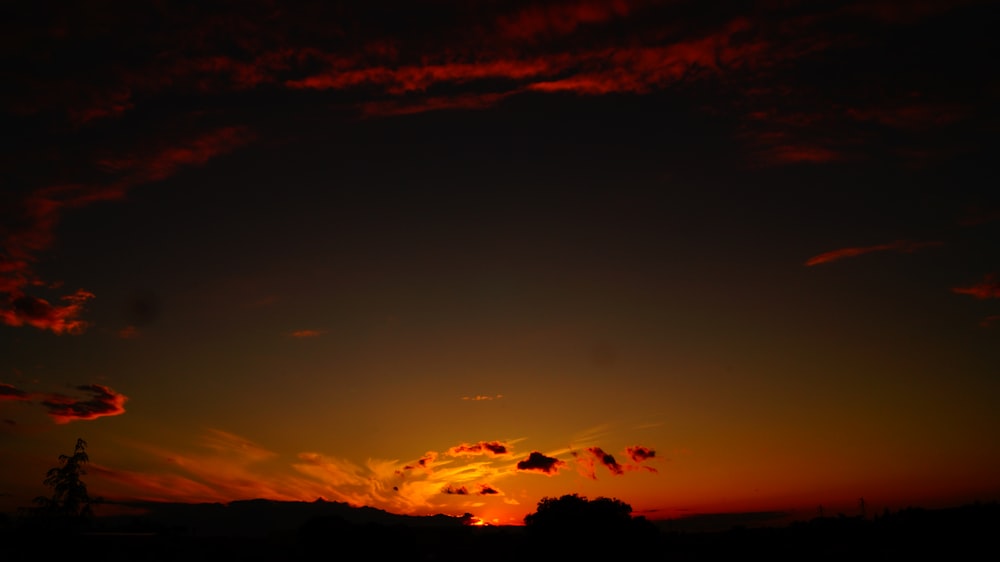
column 229, row 467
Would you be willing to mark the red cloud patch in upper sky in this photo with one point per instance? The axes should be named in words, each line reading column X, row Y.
column 104, row 401
column 35, row 217
column 791, row 154
column 555, row 18
column 898, row 245
column 537, row 462
column 306, row 333
column 59, row 319
column 988, row 288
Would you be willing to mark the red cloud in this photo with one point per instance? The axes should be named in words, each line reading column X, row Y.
column 560, row 19
column 306, row 333
column 791, row 154
column 537, row 462
column 898, row 245
column 38, row 214
column 988, row 288
column 388, row 108
column 10, row 392
column 491, row 448
column 103, row 402
column 60, row 319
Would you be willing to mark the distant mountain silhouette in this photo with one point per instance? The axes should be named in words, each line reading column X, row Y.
column 259, row 517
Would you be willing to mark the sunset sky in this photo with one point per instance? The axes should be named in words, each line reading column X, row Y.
column 449, row 257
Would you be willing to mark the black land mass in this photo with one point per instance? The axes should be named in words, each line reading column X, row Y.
column 275, row 531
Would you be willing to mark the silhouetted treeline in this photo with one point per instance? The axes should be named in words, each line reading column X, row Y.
column 569, row 527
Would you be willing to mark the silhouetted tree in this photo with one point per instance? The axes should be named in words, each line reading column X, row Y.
column 574, row 523
column 70, row 505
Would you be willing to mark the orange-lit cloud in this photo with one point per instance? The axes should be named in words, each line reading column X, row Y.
column 425, row 462
column 492, row 448
column 898, row 246
column 306, row 334
column 483, row 397
column 484, row 490
column 537, row 462
column 103, row 401
column 229, row 467
column 988, row 288
column 639, row 453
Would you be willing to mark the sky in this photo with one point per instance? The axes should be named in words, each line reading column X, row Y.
column 452, row 257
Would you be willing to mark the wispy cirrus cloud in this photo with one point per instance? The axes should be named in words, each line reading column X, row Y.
column 302, row 334
column 225, row 466
column 988, row 288
column 904, row 246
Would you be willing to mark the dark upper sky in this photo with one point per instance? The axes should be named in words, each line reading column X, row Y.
column 759, row 238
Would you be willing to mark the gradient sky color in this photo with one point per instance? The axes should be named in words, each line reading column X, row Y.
column 448, row 257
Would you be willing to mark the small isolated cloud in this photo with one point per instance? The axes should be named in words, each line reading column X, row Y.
column 423, row 462
column 306, row 334
column 40, row 313
column 988, row 288
column 482, row 397
column 128, row 333
column 103, row 401
column 487, row 490
column 905, row 246
column 639, row 454
column 586, row 464
column 459, row 490
column 491, row 448
column 537, row 462
column 10, row 392
column 607, row 460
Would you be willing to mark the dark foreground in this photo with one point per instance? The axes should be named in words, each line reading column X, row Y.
column 965, row 533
